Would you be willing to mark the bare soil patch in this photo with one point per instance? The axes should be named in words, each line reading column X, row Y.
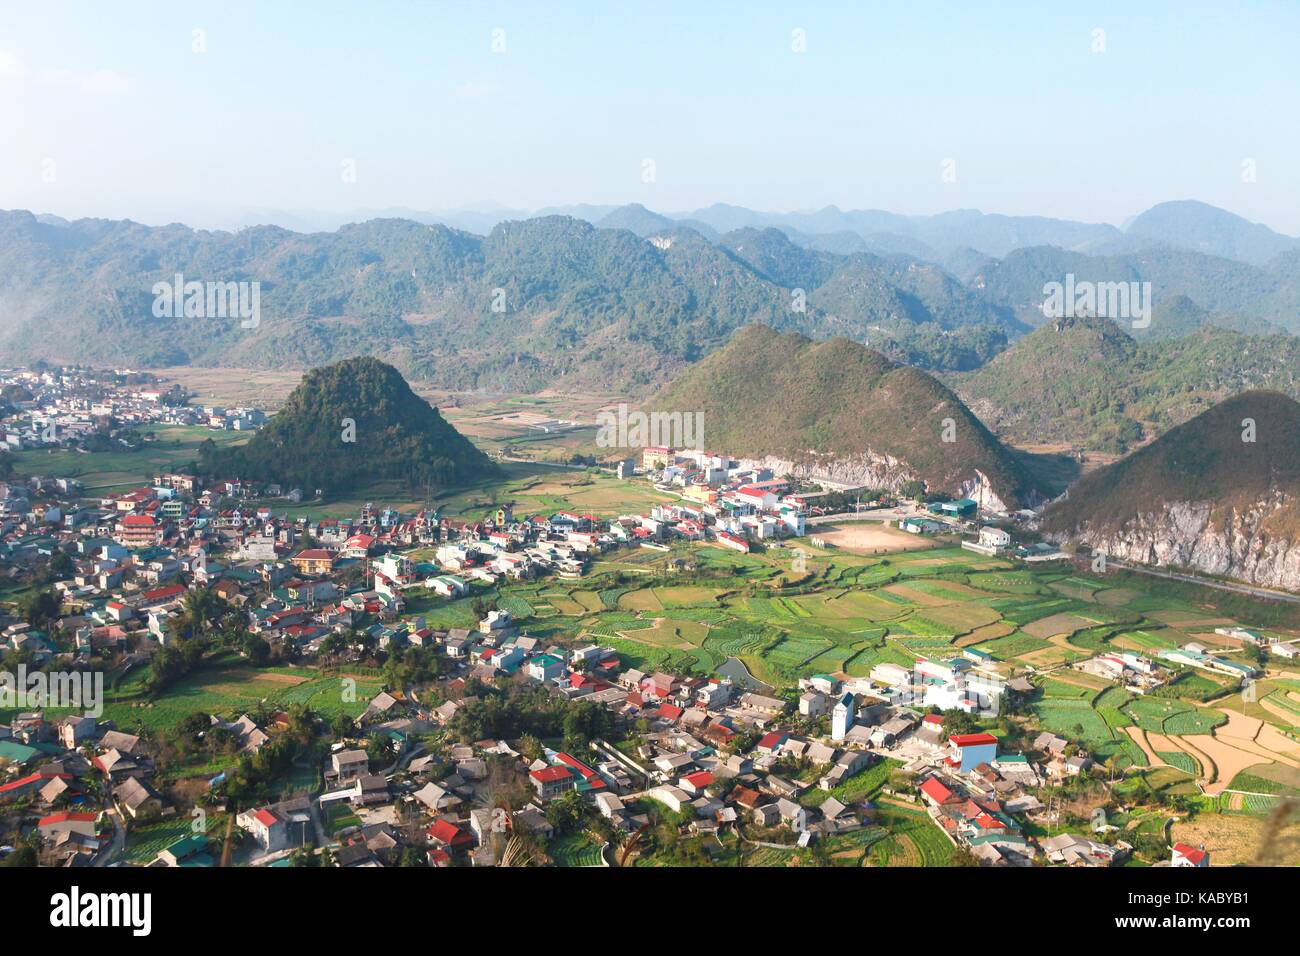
column 869, row 538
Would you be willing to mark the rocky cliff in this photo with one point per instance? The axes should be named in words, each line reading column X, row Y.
column 869, row 470
column 1195, row 535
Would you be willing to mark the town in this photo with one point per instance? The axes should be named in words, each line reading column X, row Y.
column 395, row 689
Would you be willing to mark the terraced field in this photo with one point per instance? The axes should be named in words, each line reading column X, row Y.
column 914, row 839
column 574, row 850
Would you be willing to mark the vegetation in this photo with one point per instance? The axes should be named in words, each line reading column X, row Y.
column 784, row 395
column 1205, row 459
column 1087, row 382
column 351, row 424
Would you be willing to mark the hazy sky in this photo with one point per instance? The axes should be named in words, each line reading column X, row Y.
column 111, row 102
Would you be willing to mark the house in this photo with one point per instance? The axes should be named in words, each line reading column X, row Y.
column 611, row 808
column 137, row 799
column 1071, row 850
column 550, row 782
column 436, row 797
column 349, row 764
column 772, row 706
column 267, row 828
column 832, row 809
column 935, row 793
column 74, row 731
column 370, row 789
column 696, row 783
column 991, row 541
column 117, row 766
column 812, row 704
column 192, row 851
column 488, row 820
column 674, row 798
column 968, row 751
column 545, row 667
column 1184, row 855
column 444, row 833
column 843, row 716
column 51, row 826
column 792, row 814
column 313, row 561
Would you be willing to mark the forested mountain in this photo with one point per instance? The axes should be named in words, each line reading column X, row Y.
column 1218, row 494
column 837, row 409
column 1087, row 382
column 1236, row 291
column 1210, row 230
column 349, row 425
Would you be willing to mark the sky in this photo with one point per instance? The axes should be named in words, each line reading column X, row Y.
column 124, row 110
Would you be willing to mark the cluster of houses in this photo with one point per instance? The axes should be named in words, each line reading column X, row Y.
column 716, row 755
column 1273, row 645
column 62, row 407
column 1197, row 655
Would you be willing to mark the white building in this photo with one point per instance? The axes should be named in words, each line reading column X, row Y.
column 843, row 716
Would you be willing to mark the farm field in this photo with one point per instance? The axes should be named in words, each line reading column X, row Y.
column 228, row 686
column 533, row 487
column 1235, row 838
column 574, row 850
column 914, row 839
column 103, row 472
column 144, row 843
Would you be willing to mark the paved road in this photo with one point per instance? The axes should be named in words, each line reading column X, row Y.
column 875, row 514
column 1245, row 589
column 118, row 844
column 545, row 464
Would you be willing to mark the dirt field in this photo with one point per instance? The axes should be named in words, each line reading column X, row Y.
column 989, row 632
column 869, row 537
column 1236, row 838
column 1228, row 759
column 1057, row 624
column 265, row 388
column 1140, row 738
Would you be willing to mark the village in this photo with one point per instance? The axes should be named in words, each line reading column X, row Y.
column 642, row 761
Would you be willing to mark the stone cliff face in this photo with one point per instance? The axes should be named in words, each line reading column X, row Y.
column 1196, row 536
column 869, row 470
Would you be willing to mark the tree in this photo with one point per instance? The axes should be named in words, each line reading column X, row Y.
column 957, row 722
column 256, row 649
column 60, row 567
column 24, row 855
column 39, row 608
column 566, row 812
column 530, row 747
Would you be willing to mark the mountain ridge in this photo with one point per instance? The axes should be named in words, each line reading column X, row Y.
column 349, row 425
column 837, row 410
column 1219, row 494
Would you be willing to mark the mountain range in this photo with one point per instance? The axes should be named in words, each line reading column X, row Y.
column 624, row 304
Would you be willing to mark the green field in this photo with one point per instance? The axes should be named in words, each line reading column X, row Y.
column 228, row 686
column 102, row 472
column 144, row 843
column 574, row 850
